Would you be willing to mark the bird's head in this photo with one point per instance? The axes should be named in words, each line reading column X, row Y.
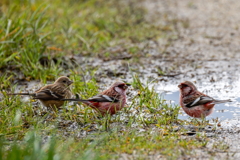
column 64, row 80
column 120, row 87
column 187, row 88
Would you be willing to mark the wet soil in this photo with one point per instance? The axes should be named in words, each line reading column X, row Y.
column 203, row 48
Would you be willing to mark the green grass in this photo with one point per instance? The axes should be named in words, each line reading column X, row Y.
column 34, row 31
column 146, row 127
column 104, row 146
column 39, row 41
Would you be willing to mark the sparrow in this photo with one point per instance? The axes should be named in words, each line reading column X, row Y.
column 195, row 103
column 109, row 101
column 51, row 95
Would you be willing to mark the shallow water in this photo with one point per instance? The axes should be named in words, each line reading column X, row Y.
column 221, row 111
column 226, row 112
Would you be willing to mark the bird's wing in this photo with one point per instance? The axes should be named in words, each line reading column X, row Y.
column 199, row 101
column 103, row 98
column 97, row 98
column 48, row 94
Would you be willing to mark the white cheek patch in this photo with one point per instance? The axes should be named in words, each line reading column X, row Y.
column 186, row 90
column 117, row 89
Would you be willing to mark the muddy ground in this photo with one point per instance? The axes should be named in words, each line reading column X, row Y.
column 204, row 49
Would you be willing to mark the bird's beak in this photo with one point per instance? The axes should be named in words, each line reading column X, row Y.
column 70, row 82
column 180, row 86
column 125, row 86
column 128, row 84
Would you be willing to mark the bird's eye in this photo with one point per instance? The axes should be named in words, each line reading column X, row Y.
column 64, row 81
column 121, row 85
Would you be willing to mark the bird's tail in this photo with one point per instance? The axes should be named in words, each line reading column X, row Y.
column 221, row 101
column 30, row 94
column 79, row 100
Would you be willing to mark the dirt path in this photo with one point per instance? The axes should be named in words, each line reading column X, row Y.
column 206, row 29
column 205, row 49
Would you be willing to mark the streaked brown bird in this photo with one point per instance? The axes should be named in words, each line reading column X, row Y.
column 51, row 95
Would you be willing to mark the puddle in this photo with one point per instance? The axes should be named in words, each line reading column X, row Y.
column 221, row 111
column 226, row 112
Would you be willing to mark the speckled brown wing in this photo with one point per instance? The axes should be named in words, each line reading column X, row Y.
column 61, row 91
column 51, row 95
column 53, row 92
